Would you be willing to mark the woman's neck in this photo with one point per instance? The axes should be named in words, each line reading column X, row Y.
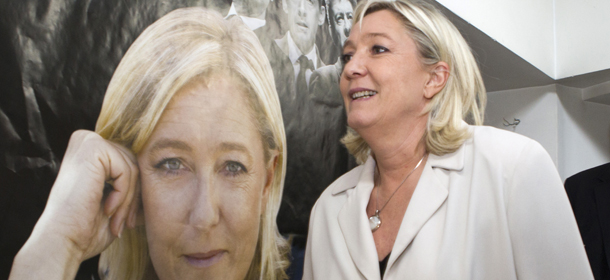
column 398, row 150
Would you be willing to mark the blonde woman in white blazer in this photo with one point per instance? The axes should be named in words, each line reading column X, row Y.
column 435, row 198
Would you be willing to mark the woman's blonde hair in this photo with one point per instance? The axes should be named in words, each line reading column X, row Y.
column 437, row 39
column 188, row 44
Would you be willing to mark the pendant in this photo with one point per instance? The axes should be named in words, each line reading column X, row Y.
column 375, row 221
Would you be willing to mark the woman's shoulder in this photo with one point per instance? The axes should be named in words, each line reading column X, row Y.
column 486, row 133
column 346, row 181
column 500, row 145
column 339, row 187
column 497, row 139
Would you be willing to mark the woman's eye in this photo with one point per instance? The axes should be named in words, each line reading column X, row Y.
column 234, row 168
column 170, row 164
column 379, row 49
column 345, row 58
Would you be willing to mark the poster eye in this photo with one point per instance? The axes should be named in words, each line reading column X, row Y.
column 234, row 168
column 172, row 164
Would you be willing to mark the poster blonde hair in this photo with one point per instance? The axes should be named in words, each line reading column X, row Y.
column 462, row 98
column 188, row 44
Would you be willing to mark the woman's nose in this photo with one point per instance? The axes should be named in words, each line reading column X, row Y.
column 205, row 210
column 355, row 67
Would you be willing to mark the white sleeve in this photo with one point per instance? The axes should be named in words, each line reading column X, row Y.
column 545, row 238
column 308, row 265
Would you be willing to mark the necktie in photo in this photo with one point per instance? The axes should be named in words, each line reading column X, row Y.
column 304, row 63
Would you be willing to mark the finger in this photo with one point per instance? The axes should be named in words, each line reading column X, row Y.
column 125, row 186
column 133, row 210
column 127, row 154
column 124, row 160
column 112, row 201
column 134, row 186
column 118, row 171
column 132, row 199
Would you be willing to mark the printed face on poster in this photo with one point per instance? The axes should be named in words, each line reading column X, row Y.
column 60, row 62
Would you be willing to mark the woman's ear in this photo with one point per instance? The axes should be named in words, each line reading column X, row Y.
column 439, row 75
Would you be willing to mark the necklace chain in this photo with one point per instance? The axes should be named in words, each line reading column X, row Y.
column 378, row 211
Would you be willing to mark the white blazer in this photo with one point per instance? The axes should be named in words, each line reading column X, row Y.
column 494, row 209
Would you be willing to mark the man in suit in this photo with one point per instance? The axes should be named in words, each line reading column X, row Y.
column 589, row 194
column 327, row 110
column 296, row 52
column 324, row 85
column 293, row 57
column 340, row 15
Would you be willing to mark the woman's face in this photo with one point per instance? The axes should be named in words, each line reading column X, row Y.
column 204, row 184
column 383, row 80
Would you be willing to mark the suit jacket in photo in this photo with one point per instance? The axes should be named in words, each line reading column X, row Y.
column 331, row 117
column 324, row 85
column 306, row 173
column 589, row 194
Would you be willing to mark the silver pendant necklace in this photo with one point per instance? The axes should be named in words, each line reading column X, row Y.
column 375, row 220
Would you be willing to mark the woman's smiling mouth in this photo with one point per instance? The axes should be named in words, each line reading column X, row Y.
column 363, row 94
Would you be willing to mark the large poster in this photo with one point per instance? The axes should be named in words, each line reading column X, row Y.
column 57, row 58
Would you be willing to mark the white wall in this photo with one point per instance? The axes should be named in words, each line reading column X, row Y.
column 523, row 26
column 575, row 133
column 583, row 36
column 536, row 108
column 584, row 132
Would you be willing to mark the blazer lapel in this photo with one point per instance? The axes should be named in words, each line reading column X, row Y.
column 355, row 227
column 430, row 194
column 602, row 199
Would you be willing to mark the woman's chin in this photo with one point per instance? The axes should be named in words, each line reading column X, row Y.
column 213, row 268
column 359, row 121
column 212, row 265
